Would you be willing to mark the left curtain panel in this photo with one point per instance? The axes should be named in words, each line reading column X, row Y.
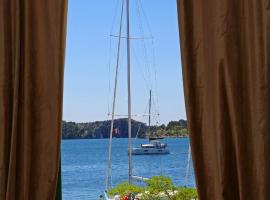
column 32, row 51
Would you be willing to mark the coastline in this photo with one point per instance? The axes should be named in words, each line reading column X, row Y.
column 79, row 138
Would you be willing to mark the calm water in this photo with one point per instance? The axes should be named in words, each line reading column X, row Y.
column 84, row 164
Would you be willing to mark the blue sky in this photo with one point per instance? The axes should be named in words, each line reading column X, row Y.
column 90, row 60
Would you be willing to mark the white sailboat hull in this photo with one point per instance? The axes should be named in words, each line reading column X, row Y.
column 149, row 151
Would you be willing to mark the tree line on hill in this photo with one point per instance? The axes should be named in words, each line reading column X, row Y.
column 101, row 129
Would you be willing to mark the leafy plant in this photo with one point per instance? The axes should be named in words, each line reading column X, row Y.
column 186, row 194
column 158, row 188
column 124, row 189
column 159, row 183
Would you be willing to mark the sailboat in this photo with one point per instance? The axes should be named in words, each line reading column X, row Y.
column 105, row 196
column 154, row 143
column 154, row 146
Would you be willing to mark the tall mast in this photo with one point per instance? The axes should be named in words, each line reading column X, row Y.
column 188, row 165
column 150, row 104
column 129, row 97
column 114, row 100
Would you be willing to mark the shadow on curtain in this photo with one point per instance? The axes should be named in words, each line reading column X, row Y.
column 225, row 48
column 32, row 48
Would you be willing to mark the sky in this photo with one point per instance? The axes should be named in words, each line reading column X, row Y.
column 91, row 57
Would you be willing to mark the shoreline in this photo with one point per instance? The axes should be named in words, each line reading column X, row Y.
column 121, row 138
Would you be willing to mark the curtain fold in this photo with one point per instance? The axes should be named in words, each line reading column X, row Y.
column 225, row 48
column 32, row 49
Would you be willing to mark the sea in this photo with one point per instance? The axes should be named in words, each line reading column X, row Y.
column 84, row 165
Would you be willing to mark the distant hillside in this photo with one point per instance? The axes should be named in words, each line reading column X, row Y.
column 100, row 129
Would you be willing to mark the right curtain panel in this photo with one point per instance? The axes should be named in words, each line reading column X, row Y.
column 225, row 49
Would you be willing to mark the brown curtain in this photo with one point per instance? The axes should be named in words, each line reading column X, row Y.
column 225, row 48
column 32, row 45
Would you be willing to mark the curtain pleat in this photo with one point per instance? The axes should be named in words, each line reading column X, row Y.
column 225, row 48
column 32, row 49
column 58, row 195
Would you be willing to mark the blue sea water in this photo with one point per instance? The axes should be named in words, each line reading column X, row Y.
column 84, row 165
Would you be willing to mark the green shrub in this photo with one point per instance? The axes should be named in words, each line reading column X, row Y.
column 186, row 194
column 125, row 188
column 159, row 184
column 156, row 186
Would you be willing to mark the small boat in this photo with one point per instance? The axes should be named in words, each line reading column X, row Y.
column 153, row 147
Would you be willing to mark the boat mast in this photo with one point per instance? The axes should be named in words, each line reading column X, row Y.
column 129, row 96
column 150, row 104
column 149, row 117
column 188, row 165
column 108, row 170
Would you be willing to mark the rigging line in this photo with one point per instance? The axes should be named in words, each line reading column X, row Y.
column 155, row 74
column 145, row 16
column 136, row 135
column 114, row 98
column 140, row 25
column 140, row 69
column 145, row 52
column 145, row 110
column 146, row 57
column 114, row 16
column 110, row 52
column 153, row 47
column 132, row 38
column 109, row 76
column 155, row 109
